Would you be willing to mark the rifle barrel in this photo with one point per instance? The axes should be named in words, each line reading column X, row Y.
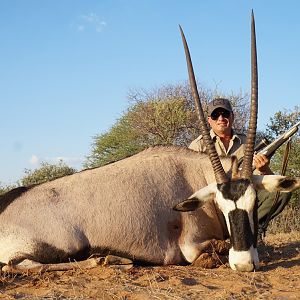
column 270, row 148
column 273, row 146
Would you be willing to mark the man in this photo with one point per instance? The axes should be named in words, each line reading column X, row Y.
column 228, row 142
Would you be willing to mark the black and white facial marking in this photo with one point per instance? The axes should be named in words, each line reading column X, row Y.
column 241, row 234
column 237, row 201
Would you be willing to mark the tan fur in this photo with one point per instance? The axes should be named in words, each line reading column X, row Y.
column 125, row 207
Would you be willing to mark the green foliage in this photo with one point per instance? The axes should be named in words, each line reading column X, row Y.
column 280, row 123
column 145, row 124
column 46, row 172
column 4, row 189
column 162, row 122
column 164, row 116
column 120, row 142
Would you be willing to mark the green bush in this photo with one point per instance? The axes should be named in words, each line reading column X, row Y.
column 46, row 172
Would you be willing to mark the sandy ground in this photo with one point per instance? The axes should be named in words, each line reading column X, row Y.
column 278, row 278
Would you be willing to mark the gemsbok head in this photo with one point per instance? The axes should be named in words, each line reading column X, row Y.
column 234, row 195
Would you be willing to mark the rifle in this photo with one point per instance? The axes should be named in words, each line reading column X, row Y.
column 268, row 149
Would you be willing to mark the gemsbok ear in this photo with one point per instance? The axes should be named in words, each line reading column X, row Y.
column 197, row 199
column 273, row 183
column 188, row 205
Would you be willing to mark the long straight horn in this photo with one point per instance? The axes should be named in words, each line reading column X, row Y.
column 250, row 141
column 220, row 174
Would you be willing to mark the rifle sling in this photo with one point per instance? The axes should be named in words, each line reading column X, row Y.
column 275, row 201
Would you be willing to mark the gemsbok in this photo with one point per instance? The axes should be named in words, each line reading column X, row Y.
column 130, row 208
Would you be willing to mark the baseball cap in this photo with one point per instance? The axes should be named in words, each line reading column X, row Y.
column 218, row 103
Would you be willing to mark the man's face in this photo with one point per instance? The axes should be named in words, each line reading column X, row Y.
column 221, row 121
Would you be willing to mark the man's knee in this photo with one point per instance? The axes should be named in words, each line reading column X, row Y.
column 267, row 204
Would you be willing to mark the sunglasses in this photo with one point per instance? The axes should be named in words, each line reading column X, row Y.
column 217, row 113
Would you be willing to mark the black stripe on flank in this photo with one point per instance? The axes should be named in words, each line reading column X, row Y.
column 233, row 190
column 241, row 234
column 45, row 253
column 9, row 197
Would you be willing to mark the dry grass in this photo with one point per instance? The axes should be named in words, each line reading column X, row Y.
column 279, row 278
column 287, row 221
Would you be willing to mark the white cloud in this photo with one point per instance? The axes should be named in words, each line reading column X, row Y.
column 80, row 28
column 34, row 160
column 91, row 21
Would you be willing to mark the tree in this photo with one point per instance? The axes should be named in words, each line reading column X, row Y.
column 46, row 172
column 6, row 188
column 120, row 142
column 281, row 122
column 163, row 116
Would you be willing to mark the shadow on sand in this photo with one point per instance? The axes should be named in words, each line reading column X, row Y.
column 285, row 256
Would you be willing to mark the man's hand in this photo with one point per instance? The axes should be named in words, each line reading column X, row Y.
column 261, row 163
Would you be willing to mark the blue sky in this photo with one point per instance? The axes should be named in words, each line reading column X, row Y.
column 66, row 66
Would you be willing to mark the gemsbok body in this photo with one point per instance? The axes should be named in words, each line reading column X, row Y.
column 125, row 208
column 130, row 208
